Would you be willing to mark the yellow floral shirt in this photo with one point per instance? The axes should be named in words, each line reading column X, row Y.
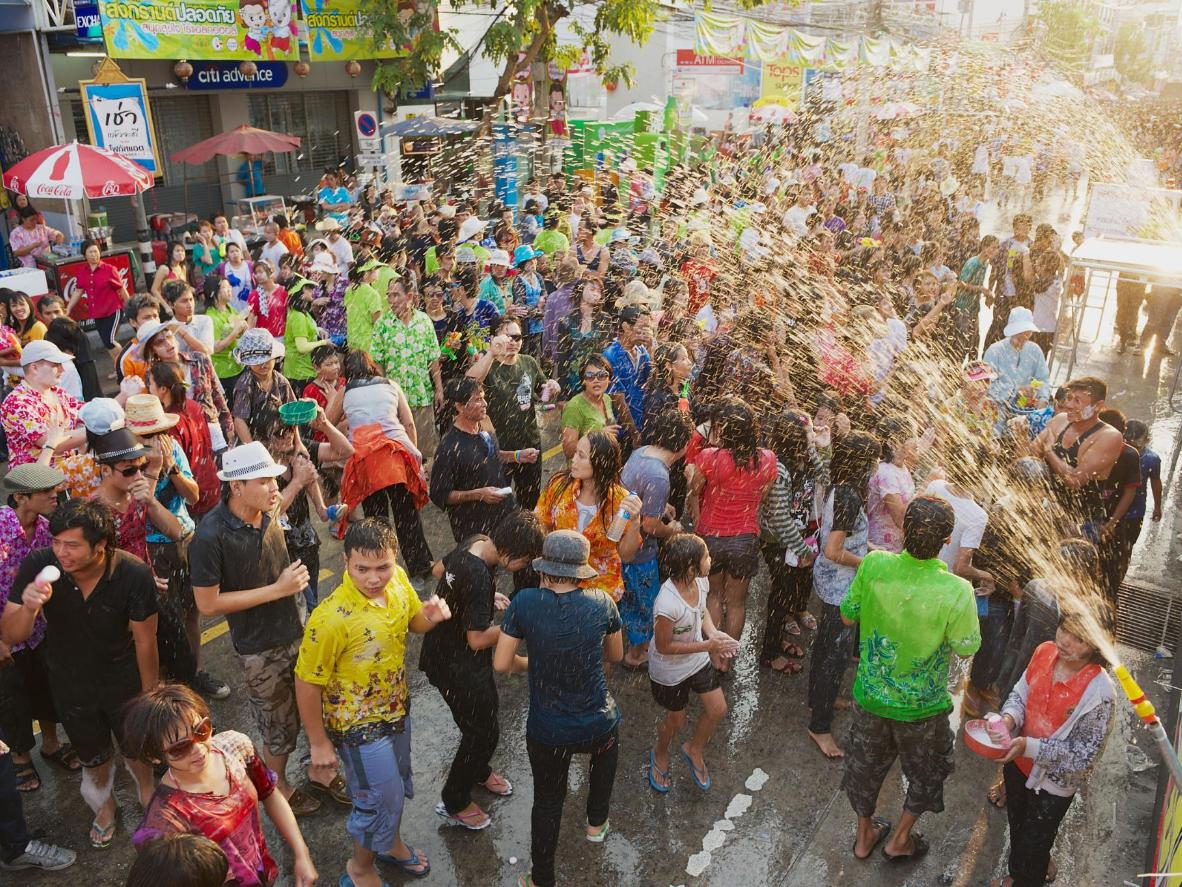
column 355, row 649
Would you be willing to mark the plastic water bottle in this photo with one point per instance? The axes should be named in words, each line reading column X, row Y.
column 998, row 731
column 616, row 531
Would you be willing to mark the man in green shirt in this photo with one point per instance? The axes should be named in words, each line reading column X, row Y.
column 912, row 615
column 550, row 240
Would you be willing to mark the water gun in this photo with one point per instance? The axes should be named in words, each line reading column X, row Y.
column 683, row 401
column 1145, row 710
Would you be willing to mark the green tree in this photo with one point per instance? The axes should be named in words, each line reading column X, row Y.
column 1133, row 59
column 523, row 32
column 1068, row 29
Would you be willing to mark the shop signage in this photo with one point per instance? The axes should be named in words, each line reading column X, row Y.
column 200, row 29
column 782, row 82
column 119, row 119
column 225, row 75
column 88, row 26
column 709, row 64
column 336, row 31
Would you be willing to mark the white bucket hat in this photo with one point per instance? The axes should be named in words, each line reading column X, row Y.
column 471, row 227
column 1021, row 320
column 248, row 462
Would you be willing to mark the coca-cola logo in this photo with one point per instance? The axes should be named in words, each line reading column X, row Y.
column 65, row 192
column 110, row 189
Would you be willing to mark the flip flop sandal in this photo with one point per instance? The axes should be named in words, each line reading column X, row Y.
column 474, row 821
column 526, row 880
column 302, row 803
column 654, row 769
column 919, row 849
column 703, row 785
column 501, row 792
column 26, row 775
column 346, row 881
column 408, row 864
column 104, row 835
column 884, row 829
column 792, row 627
column 600, row 836
column 336, row 790
column 64, row 758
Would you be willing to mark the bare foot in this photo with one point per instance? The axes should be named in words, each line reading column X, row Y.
column 826, row 744
column 636, row 657
column 997, row 795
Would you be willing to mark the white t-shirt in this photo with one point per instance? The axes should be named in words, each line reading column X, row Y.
column 71, row 382
column 1023, row 169
column 970, row 522
column 796, row 218
column 1046, row 307
column 342, row 252
column 273, row 252
column 201, row 329
column 670, row 670
column 377, row 403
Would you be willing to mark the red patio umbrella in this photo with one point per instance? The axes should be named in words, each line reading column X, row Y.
column 74, row 171
column 243, row 140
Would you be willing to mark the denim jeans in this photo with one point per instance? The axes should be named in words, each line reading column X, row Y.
column 550, row 765
column 14, row 832
column 995, row 634
column 831, row 655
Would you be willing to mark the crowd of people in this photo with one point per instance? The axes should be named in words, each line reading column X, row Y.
column 774, row 362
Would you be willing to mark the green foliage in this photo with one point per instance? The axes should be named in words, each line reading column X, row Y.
column 1069, row 29
column 1132, row 56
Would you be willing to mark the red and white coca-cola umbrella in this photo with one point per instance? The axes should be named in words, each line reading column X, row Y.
column 74, row 171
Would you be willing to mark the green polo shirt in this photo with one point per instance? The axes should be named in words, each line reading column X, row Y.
column 912, row 615
column 551, row 241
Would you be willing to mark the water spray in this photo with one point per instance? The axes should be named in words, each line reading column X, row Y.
column 1148, row 714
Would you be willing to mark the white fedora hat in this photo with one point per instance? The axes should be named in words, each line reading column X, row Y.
column 248, row 462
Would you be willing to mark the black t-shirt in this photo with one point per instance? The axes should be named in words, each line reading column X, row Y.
column 508, row 387
column 466, row 461
column 468, row 587
column 847, row 504
column 90, row 647
column 232, row 554
column 1126, row 472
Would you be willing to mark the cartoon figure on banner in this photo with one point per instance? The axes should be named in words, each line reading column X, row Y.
column 523, row 90
column 253, row 16
column 557, row 111
column 283, row 24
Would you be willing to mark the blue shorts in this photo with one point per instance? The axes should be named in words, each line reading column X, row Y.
column 642, row 583
column 379, row 779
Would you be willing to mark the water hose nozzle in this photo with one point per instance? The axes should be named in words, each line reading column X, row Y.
column 1141, row 704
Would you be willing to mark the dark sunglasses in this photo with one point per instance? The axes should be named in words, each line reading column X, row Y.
column 133, row 470
column 201, row 733
column 513, row 338
column 596, row 375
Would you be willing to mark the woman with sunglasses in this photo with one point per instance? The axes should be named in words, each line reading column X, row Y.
column 592, row 409
column 213, row 787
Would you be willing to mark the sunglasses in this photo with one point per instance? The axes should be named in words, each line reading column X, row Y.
column 596, row 375
column 133, row 470
column 201, row 733
column 513, row 338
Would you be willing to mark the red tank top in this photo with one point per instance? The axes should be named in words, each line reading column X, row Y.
column 1049, row 703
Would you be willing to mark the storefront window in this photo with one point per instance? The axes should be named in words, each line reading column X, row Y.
column 320, row 119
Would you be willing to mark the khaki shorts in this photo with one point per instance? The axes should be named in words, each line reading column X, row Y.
column 270, row 685
column 428, row 433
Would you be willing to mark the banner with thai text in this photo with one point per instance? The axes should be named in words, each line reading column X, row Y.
column 201, row 29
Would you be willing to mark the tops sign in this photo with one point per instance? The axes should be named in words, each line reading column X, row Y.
column 225, row 75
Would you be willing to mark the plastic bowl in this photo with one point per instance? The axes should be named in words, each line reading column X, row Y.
column 298, row 412
column 977, row 738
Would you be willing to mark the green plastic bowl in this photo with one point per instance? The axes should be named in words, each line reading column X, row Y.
column 298, row 412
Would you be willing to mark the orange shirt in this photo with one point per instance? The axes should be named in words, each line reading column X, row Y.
column 291, row 240
column 558, row 511
column 1049, row 703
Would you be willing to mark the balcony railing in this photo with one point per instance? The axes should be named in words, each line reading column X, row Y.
column 54, row 15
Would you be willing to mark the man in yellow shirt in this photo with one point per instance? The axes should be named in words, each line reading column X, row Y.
column 353, row 694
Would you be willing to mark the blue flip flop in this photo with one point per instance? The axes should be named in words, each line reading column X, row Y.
column 405, row 864
column 346, row 881
column 652, row 768
column 694, row 772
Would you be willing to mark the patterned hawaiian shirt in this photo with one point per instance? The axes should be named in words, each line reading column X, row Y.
column 27, row 416
column 14, row 546
column 406, row 351
column 355, row 649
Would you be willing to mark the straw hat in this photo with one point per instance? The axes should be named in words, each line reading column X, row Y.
column 145, row 415
column 636, row 292
column 325, row 263
column 328, row 224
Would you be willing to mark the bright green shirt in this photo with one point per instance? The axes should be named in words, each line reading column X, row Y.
column 298, row 366
column 361, row 302
column 583, row 416
column 550, row 241
column 912, row 616
column 382, row 282
column 406, row 351
column 223, row 362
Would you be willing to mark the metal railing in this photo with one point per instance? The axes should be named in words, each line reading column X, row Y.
column 54, row 15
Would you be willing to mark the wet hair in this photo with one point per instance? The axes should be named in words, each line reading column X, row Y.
column 1079, row 558
column 987, row 241
column 138, row 303
column 605, row 471
column 267, row 424
column 358, row 365
column 927, row 524
column 1136, row 430
column 174, row 289
column 370, row 535
column 518, row 534
column 738, row 432
column 168, row 374
column 1096, row 388
column 681, row 556
column 180, row 860
column 786, row 434
column 152, row 716
column 506, row 322
column 321, row 353
column 633, row 313
column 661, row 376
column 1072, row 624
column 94, row 519
column 459, row 391
column 670, row 429
column 892, row 428
column 280, row 221
column 1114, row 417
column 855, row 458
